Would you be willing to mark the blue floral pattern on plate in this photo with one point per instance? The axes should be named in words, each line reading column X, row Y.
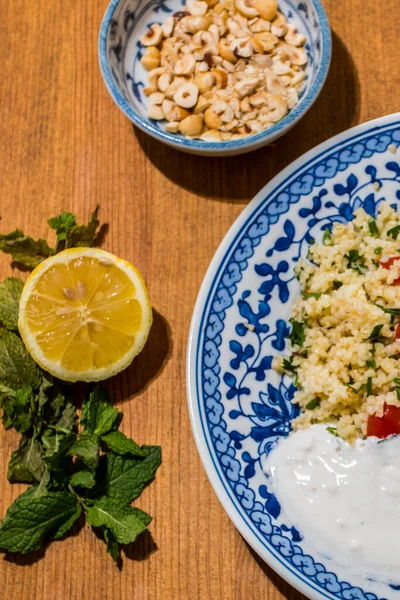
column 239, row 405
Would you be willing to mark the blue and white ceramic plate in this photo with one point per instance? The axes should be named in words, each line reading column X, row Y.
column 239, row 406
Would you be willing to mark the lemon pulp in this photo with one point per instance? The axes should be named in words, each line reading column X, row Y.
column 84, row 317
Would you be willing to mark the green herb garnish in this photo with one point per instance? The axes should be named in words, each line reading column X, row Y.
column 327, row 238
column 356, row 261
column 314, row 403
column 371, row 364
column 337, row 284
column 28, row 253
column 297, row 336
column 378, row 250
column 374, row 336
column 369, row 386
column 312, row 295
column 373, row 228
column 287, row 365
column 333, row 431
column 394, row 232
column 390, row 311
column 75, row 468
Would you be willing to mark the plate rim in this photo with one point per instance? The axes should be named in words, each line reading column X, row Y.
column 194, row 338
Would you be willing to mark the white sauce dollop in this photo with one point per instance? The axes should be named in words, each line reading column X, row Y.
column 343, row 499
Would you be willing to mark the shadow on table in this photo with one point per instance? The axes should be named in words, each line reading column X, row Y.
column 239, row 178
column 148, row 365
column 284, row 588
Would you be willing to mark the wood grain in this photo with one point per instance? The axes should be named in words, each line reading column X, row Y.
column 66, row 146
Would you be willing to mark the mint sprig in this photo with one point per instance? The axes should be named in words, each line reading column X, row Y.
column 85, row 468
column 27, row 253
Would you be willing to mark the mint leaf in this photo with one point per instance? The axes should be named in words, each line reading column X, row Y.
column 124, row 521
column 112, row 545
column 83, row 235
column 32, row 519
column 17, row 368
column 83, row 479
column 87, row 447
column 18, row 408
column 66, row 525
column 58, row 445
column 62, row 224
column 26, row 464
column 127, row 477
column 10, row 293
column 68, row 419
column 25, row 251
column 119, row 443
column 297, row 335
column 98, row 414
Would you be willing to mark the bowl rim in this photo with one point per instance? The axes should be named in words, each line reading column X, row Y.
column 250, row 142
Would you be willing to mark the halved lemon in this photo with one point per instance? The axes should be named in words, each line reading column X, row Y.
column 84, row 314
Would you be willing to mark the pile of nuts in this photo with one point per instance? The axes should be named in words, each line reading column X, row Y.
column 223, row 69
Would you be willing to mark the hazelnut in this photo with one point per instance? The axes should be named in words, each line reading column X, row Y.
column 197, row 7
column 172, row 127
column 192, row 125
column 187, row 95
column 211, row 136
column 201, row 105
column 151, row 59
column 168, row 26
column 246, row 8
column 185, row 65
column 211, row 119
column 204, row 82
column 164, row 81
column 226, row 52
column 153, row 36
column 267, row 9
column 221, row 78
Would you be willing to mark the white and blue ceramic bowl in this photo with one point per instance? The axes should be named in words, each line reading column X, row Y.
column 239, row 405
column 120, row 51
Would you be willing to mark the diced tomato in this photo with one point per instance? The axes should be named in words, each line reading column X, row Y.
column 397, row 332
column 386, row 264
column 386, row 425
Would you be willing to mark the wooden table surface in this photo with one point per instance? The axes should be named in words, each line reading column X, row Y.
column 66, row 146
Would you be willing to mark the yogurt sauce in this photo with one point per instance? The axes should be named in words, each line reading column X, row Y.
column 344, row 500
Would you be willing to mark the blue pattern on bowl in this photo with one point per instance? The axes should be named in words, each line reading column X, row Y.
column 239, row 405
column 120, row 52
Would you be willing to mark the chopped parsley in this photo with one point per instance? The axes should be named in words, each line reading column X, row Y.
column 369, row 386
column 333, row 431
column 311, row 295
column 390, row 311
column 394, row 232
column 398, row 392
column 297, row 336
column 373, row 228
column 337, row 284
column 287, row 365
column 314, row 403
column 356, row 261
column 375, row 336
column 371, row 364
column 378, row 250
column 327, row 238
